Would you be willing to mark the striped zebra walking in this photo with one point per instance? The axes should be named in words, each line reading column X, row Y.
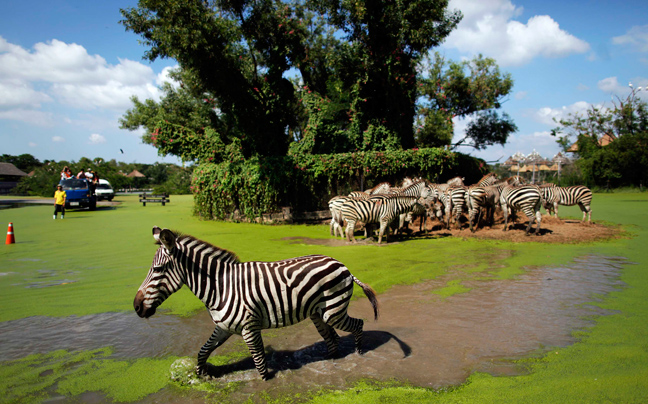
column 244, row 298
column 526, row 198
column 568, row 196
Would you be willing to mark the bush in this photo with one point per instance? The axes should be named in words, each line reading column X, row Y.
column 306, row 182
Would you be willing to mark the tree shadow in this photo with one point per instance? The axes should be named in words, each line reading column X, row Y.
column 293, row 360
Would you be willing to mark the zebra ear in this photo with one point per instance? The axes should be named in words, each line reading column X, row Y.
column 156, row 233
column 168, row 239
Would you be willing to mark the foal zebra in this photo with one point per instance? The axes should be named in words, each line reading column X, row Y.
column 526, row 198
column 568, row 196
column 245, row 297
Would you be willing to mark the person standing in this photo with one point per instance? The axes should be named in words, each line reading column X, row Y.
column 59, row 201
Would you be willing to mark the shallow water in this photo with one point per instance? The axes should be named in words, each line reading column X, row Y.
column 420, row 337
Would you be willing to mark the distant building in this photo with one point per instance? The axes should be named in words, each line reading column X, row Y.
column 9, row 177
column 603, row 141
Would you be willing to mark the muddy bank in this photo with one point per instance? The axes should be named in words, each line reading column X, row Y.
column 420, row 338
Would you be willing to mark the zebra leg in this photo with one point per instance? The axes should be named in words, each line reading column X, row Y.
column 555, row 209
column 353, row 325
column 349, row 230
column 327, row 332
column 384, row 225
column 538, row 216
column 505, row 212
column 217, row 338
column 252, row 337
column 587, row 211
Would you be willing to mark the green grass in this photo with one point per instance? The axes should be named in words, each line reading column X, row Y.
column 93, row 262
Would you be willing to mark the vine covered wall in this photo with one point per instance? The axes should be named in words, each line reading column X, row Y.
column 305, row 182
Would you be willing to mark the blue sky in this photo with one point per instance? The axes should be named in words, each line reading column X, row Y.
column 68, row 70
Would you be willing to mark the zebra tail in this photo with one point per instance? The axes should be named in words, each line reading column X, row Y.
column 371, row 295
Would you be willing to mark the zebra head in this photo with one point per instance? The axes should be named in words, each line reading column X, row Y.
column 161, row 281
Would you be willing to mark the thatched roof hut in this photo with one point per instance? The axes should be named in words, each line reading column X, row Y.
column 10, row 172
column 136, row 174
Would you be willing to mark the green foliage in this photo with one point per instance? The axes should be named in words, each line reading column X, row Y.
column 624, row 161
column 25, row 162
column 489, row 129
column 307, row 181
column 358, row 57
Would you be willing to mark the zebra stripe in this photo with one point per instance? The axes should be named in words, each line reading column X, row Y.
column 245, row 297
column 381, row 188
column 454, row 200
column 568, row 196
column 377, row 209
column 515, row 180
column 486, row 180
column 486, row 198
column 526, row 198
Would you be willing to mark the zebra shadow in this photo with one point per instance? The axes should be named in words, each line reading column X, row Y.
column 293, row 360
column 523, row 226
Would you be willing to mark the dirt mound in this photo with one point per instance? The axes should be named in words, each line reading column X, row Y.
column 552, row 230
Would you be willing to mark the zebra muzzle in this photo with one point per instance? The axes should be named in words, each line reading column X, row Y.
column 140, row 309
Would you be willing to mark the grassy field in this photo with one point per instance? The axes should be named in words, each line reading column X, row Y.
column 93, row 262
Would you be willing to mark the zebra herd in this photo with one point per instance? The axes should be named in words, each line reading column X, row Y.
column 394, row 206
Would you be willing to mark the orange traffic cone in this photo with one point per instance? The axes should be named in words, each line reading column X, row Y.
column 10, row 234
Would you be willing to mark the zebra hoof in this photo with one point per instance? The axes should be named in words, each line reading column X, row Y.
column 201, row 370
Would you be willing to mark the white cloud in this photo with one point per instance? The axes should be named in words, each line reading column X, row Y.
column 71, row 76
column 546, row 115
column 96, row 138
column 520, row 95
column 636, row 37
column 34, row 117
column 57, row 139
column 15, row 93
column 32, row 144
column 611, row 85
column 488, row 27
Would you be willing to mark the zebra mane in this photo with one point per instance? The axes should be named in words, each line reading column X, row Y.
column 180, row 237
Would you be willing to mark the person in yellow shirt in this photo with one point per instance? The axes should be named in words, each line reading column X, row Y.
column 59, row 201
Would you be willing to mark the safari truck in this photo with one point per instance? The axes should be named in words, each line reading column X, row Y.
column 79, row 194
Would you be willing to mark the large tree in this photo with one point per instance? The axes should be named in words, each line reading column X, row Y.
column 355, row 58
column 471, row 89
